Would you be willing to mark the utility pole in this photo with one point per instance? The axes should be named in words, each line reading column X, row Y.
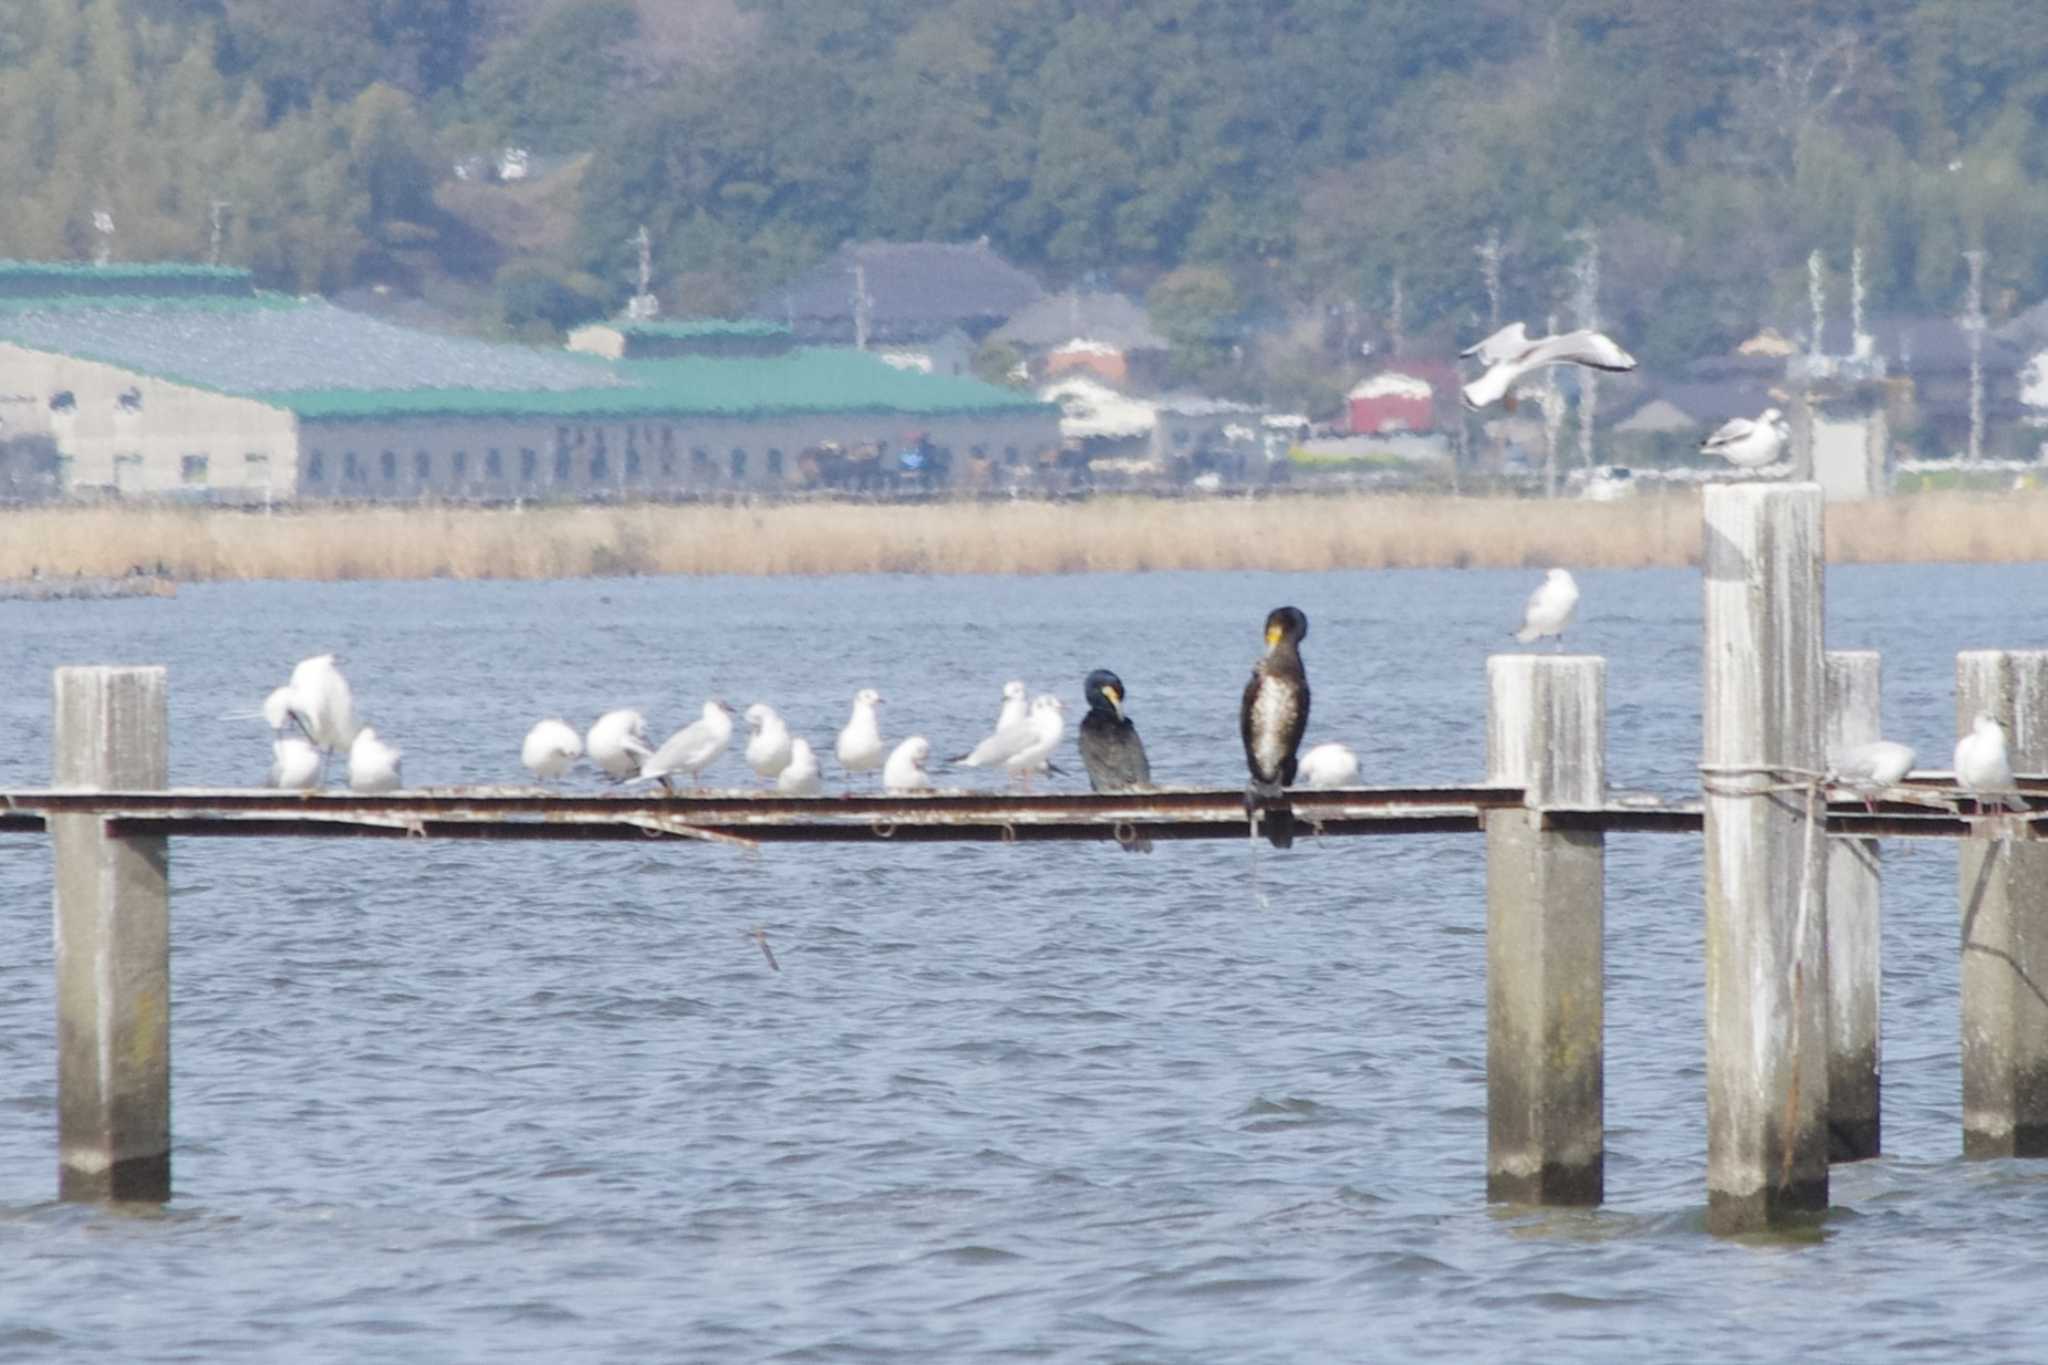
column 1973, row 327
column 1586, row 303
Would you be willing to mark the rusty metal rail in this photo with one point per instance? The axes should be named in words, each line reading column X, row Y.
column 751, row 818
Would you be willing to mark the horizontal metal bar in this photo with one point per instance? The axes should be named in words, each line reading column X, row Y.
column 707, row 809
column 820, row 832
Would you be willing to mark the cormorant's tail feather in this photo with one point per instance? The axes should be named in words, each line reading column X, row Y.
column 1267, row 808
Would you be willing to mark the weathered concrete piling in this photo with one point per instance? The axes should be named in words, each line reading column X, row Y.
column 1855, row 1064
column 2002, row 883
column 1766, row 885
column 113, row 917
column 1545, row 906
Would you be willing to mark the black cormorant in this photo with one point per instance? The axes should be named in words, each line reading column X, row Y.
column 1109, row 744
column 1274, row 714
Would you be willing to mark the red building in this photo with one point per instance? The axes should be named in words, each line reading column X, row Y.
column 1402, row 398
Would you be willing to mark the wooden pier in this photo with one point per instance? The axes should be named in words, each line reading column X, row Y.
column 1792, row 887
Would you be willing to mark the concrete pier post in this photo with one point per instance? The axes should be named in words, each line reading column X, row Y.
column 1545, row 906
column 1853, row 904
column 1766, row 880
column 2002, row 884
column 113, row 944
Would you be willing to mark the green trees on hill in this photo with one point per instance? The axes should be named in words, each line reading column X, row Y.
column 1297, row 158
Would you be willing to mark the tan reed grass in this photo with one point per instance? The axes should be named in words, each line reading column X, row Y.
column 1111, row 534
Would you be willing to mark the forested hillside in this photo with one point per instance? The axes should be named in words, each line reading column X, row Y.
column 1254, row 160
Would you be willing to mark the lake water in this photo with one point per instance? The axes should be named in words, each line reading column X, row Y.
column 1051, row 1102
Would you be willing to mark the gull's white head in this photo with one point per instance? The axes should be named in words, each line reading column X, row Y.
column 1987, row 725
column 1559, row 576
column 1046, row 702
column 759, row 714
column 1013, row 690
column 716, row 709
column 867, row 696
column 1771, row 417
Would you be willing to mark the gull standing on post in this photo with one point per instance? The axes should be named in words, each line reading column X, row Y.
column 692, row 748
column 1982, row 767
column 1329, row 765
column 769, row 747
column 860, row 743
column 1550, row 608
column 1510, row 361
column 1747, row 444
column 618, row 743
column 904, row 772
column 552, row 747
column 372, row 764
column 1271, row 720
column 800, row 778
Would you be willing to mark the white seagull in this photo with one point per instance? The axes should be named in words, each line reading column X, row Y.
column 1328, row 765
column 321, row 699
column 904, row 772
column 1871, row 769
column 1983, row 768
column 800, row 778
column 372, row 764
column 691, row 749
column 769, row 746
column 551, row 749
column 1747, row 444
column 294, row 764
column 1591, row 349
column 1014, row 704
column 1021, row 747
column 1550, row 608
column 860, row 747
column 617, row 743
column 1502, row 344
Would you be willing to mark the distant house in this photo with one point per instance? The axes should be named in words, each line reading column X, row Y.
column 1399, row 398
column 1104, row 334
column 901, row 295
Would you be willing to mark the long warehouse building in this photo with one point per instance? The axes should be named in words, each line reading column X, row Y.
column 187, row 380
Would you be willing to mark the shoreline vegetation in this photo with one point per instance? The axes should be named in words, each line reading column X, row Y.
column 1102, row 534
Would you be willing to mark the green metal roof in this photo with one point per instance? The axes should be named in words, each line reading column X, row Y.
column 692, row 329
column 809, row 380
column 157, row 278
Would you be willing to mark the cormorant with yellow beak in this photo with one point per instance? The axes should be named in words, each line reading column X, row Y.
column 1274, row 714
column 1110, row 746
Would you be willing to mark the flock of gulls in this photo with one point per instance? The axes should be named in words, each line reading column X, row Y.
column 312, row 716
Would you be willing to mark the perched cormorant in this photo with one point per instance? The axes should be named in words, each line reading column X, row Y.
column 1274, row 714
column 1109, row 744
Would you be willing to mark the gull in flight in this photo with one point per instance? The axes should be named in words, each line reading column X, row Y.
column 769, row 746
column 1329, row 765
column 691, row 749
column 372, row 764
column 551, row 749
column 904, row 772
column 1550, row 608
column 1872, row 769
column 860, row 747
column 1749, row 444
column 1500, row 346
column 1587, row 348
column 617, row 743
column 1983, row 768
column 800, row 777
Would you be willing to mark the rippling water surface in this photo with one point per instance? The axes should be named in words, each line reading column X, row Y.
column 462, row 1101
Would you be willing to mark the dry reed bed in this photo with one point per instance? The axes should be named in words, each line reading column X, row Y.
column 1105, row 534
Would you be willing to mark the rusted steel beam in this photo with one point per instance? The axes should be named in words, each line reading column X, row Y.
column 718, row 807
column 819, row 832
